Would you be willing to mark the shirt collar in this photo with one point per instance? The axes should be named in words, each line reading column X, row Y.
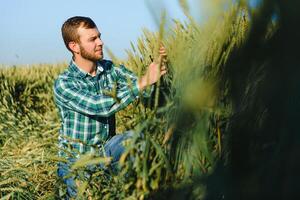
column 81, row 73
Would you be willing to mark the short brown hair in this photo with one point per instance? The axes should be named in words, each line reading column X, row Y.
column 69, row 28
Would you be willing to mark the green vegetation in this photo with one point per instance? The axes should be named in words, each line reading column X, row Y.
column 220, row 125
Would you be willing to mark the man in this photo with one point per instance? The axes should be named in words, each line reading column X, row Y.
column 90, row 92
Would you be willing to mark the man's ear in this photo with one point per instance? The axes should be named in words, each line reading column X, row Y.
column 74, row 47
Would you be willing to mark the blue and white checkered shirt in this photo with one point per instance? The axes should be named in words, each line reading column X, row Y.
column 87, row 104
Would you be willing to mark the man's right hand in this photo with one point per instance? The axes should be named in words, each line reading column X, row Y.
column 155, row 70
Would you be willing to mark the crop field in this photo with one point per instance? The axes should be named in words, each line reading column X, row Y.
column 222, row 124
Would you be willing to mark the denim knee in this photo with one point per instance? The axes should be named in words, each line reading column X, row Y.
column 114, row 147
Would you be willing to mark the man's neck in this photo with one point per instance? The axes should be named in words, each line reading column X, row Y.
column 86, row 65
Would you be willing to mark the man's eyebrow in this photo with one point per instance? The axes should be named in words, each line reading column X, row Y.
column 98, row 35
column 95, row 36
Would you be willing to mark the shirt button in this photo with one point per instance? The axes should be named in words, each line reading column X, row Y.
column 100, row 69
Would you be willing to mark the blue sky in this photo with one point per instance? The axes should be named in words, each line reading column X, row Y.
column 30, row 29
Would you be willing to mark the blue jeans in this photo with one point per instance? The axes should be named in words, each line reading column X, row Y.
column 113, row 148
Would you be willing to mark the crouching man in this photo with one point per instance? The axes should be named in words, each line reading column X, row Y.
column 81, row 93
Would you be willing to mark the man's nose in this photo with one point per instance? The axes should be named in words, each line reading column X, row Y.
column 99, row 42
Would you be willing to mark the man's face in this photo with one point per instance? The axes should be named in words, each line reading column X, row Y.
column 91, row 45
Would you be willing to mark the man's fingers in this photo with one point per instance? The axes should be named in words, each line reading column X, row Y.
column 162, row 52
column 163, row 67
column 162, row 58
column 161, row 46
column 162, row 49
column 163, row 72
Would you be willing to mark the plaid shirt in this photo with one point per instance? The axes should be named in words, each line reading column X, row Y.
column 87, row 104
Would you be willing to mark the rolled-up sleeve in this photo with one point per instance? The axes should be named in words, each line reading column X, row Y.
column 127, row 79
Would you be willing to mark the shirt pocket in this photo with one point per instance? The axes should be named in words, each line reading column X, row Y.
column 107, row 84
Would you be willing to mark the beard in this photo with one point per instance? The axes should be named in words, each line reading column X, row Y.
column 89, row 56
